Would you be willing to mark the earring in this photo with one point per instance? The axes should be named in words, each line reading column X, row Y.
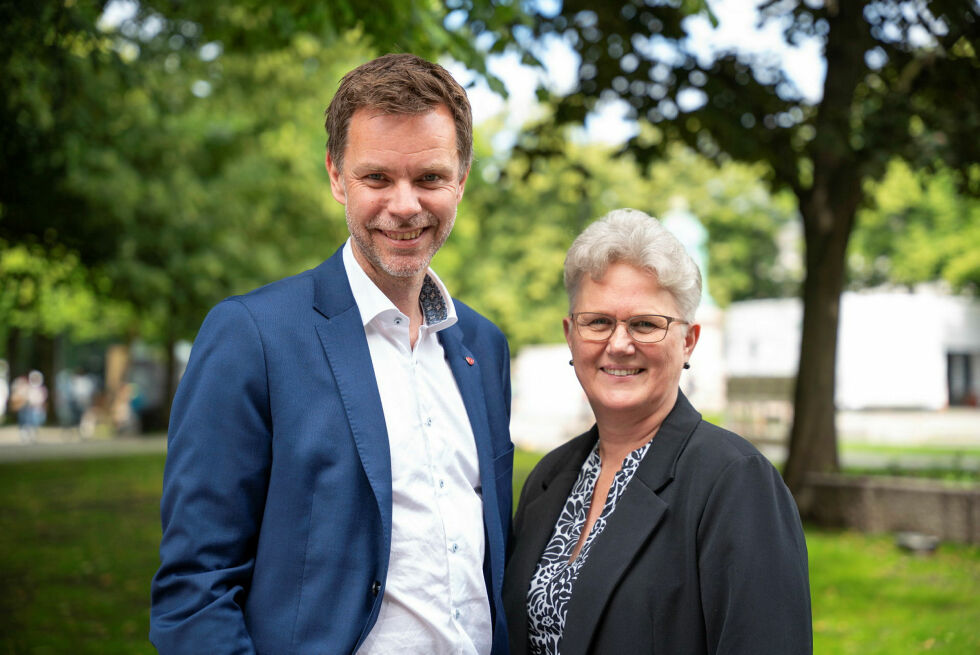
column 687, row 365
column 571, row 362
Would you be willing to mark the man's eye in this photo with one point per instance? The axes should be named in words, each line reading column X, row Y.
column 431, row 177
column 375, row 177
column 599, row 322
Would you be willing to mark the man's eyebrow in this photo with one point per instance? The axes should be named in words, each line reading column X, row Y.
column 441, row 167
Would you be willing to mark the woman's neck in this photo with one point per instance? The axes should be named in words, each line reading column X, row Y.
column 621, row 433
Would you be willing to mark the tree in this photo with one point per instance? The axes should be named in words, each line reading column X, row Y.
column 918, row 228
column 66, row 70
column 521, row 213
column 901, row 82
column 178, row 149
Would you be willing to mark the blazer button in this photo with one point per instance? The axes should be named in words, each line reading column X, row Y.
column 375, row 588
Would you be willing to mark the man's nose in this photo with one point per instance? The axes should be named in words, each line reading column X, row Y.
column 404, row 200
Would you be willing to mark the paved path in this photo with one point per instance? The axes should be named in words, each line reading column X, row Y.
column 881, row 428
column 55, row 443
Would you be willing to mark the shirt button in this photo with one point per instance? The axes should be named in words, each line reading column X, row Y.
column 456, row 614
column 375, row 588
column 454, row 547
column 428, row 422
column 398, row 321
column 442, row 484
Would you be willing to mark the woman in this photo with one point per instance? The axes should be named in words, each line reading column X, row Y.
column 653, row 532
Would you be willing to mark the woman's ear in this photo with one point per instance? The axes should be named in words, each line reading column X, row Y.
column 691, row 339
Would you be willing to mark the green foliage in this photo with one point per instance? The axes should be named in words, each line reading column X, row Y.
column 221, row 192
column 179, row 152
column 50, row 293
column 747, row 225
column 520, row 215
column 919, row 228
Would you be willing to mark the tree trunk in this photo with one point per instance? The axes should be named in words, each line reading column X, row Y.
column 12, row 352
column 828, row 209
column 813, row 438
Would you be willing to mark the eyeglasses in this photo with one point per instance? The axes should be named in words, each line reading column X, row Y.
column 645, row 328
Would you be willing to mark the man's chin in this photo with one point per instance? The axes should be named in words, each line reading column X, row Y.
column 403, row 267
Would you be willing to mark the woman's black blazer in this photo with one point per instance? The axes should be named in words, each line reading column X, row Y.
column 704, row 553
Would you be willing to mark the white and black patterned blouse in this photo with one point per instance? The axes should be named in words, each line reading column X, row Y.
column 553, row 579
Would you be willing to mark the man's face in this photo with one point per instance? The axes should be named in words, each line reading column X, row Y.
column 400, row 186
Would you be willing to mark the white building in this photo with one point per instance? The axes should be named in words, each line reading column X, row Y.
column 895, row 350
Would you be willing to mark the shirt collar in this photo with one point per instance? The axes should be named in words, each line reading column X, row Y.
column 437, row 305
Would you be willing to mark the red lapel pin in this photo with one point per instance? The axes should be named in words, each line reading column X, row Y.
column 470, row 361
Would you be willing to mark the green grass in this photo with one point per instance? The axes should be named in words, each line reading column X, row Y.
column 896, row 449
column 78, row 546
column 870, row 598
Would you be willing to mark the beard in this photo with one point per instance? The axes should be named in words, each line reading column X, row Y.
column 397, row 265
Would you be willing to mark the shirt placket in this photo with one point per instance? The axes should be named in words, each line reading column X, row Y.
column 433, row 429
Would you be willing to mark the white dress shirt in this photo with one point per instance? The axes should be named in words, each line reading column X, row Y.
column 435, row 599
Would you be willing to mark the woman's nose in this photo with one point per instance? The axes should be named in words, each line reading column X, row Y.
column 620, row 340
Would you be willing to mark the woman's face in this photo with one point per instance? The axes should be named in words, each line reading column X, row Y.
column 622, row 377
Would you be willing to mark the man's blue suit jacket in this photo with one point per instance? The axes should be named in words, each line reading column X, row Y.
column 276, row 503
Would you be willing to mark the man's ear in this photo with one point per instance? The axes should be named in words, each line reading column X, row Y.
column 336, row 180
column 462, row 186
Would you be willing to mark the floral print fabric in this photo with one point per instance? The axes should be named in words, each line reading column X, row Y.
column 554, row 577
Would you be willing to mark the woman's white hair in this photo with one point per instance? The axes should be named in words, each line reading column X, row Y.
column 632, row 237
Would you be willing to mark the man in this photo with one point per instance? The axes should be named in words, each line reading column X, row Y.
column 339, row 465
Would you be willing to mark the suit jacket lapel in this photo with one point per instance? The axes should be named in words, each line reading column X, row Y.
column 537, row 523
column 341, row 333
column 469, row 380
column 637, row 515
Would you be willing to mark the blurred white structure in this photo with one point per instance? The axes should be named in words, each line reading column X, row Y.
column 895, row 350
column 549, row 406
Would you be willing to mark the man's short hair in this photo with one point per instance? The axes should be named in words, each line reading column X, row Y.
column 399, row 84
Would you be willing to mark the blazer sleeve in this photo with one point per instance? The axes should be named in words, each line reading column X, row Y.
column 214, row 490
column 752, row 563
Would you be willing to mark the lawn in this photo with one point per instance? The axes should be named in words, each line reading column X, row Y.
column 78, row 546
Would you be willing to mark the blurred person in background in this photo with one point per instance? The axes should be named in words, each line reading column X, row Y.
column 29, row 398
column 654, row 531
column 4, row 388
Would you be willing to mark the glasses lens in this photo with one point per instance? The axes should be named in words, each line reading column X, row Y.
column 595, row 326
column 648, row 329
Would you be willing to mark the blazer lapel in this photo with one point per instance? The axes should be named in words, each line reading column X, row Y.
column 341, row 334
column 537, row 522
column 466, row 370
column 638, row 512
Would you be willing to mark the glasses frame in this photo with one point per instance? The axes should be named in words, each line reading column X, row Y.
column 629, row 330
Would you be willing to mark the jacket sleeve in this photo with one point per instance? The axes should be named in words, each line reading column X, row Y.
column 214, row 488
column 752, row 564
